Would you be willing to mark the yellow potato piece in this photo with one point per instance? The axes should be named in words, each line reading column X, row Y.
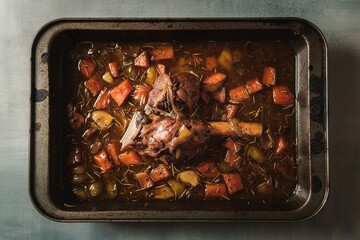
column 177, row 187
column 102, row 119
column 163, row 192
column 189, row 177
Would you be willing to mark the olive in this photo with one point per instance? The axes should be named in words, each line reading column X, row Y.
column 80, row 193
column 225, row 167
column 79, row 169
column 94, row 189
column 267, row 140
column 80, row 179
column 255, row 153
column 74, row 157
column 96, row 146
column 264, row 188
column 111, row 189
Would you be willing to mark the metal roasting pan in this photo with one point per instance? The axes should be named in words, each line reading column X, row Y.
column 48, row 103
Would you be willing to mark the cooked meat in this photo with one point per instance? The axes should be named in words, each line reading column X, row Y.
column 194, row 144
column 188, row 90
column 158, row 94
column 156, row 135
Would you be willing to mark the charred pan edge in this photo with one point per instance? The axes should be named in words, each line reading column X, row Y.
column 316, row 78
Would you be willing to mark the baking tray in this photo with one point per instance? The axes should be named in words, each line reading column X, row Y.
column 47, row 152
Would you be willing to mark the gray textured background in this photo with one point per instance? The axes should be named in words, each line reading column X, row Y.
column 339, row 21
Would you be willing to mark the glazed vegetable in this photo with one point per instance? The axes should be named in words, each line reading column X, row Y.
column 113, row 151
column 160, row 173
column 121, row 92
column 103, row 100
column 87, row 67
column 282, row 95
column 214, row 82
column 225, row 59
column 177, row 187
column 208, row 169
column 189, row 177
column 269, row 76
column 102, row 119
column 163, row 53
column 114, row 69
column 144, row 179
column 108, row 78
column 142, row 60
column 130, row 158
column 233, row 182
column 102, row 161
column 179, row 121
column 231, row 145
column 211, row 63
column 239, row 94
column 253, row 86
column 215, row 190
column 220, row 95
column 163, row 192
column 94, row 85
column 233, row 159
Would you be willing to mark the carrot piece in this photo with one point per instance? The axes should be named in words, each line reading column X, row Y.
column 211, row 63
column 161, row 68
column 281, row 146
column 214, row 82
column 163, row 53
column 141, row 93
column 282, row 95
column 220, row 95
column 121, row 92
column 231, row 145
column 230, row 110
column 208, row 169
column 112, row 148
column 130, row 158
column 142, row 60
column 233, row 159
column 74, row 157
column 269, row 76
column 160, row 173
column 94, row 85
column 215, row 190
column 253, row 86
column 239, row 94
column 77, row 121
column 233, row 182
column 101, row 160
column 103, row 100
column 114, row 69
column 87, row 67
column 205, row 96
column 144, row 179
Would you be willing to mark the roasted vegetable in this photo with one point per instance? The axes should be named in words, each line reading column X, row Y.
column 102, row 119
column 189, row 177
column 87, row 67
column 180, row 121
column 163, row 192
column 121, row 92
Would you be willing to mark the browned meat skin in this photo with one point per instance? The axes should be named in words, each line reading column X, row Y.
column 158, row 94
column 188, row 89
column 195, row 145
column 156, row 135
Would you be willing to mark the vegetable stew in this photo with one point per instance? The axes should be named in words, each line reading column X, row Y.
column 180, row 120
